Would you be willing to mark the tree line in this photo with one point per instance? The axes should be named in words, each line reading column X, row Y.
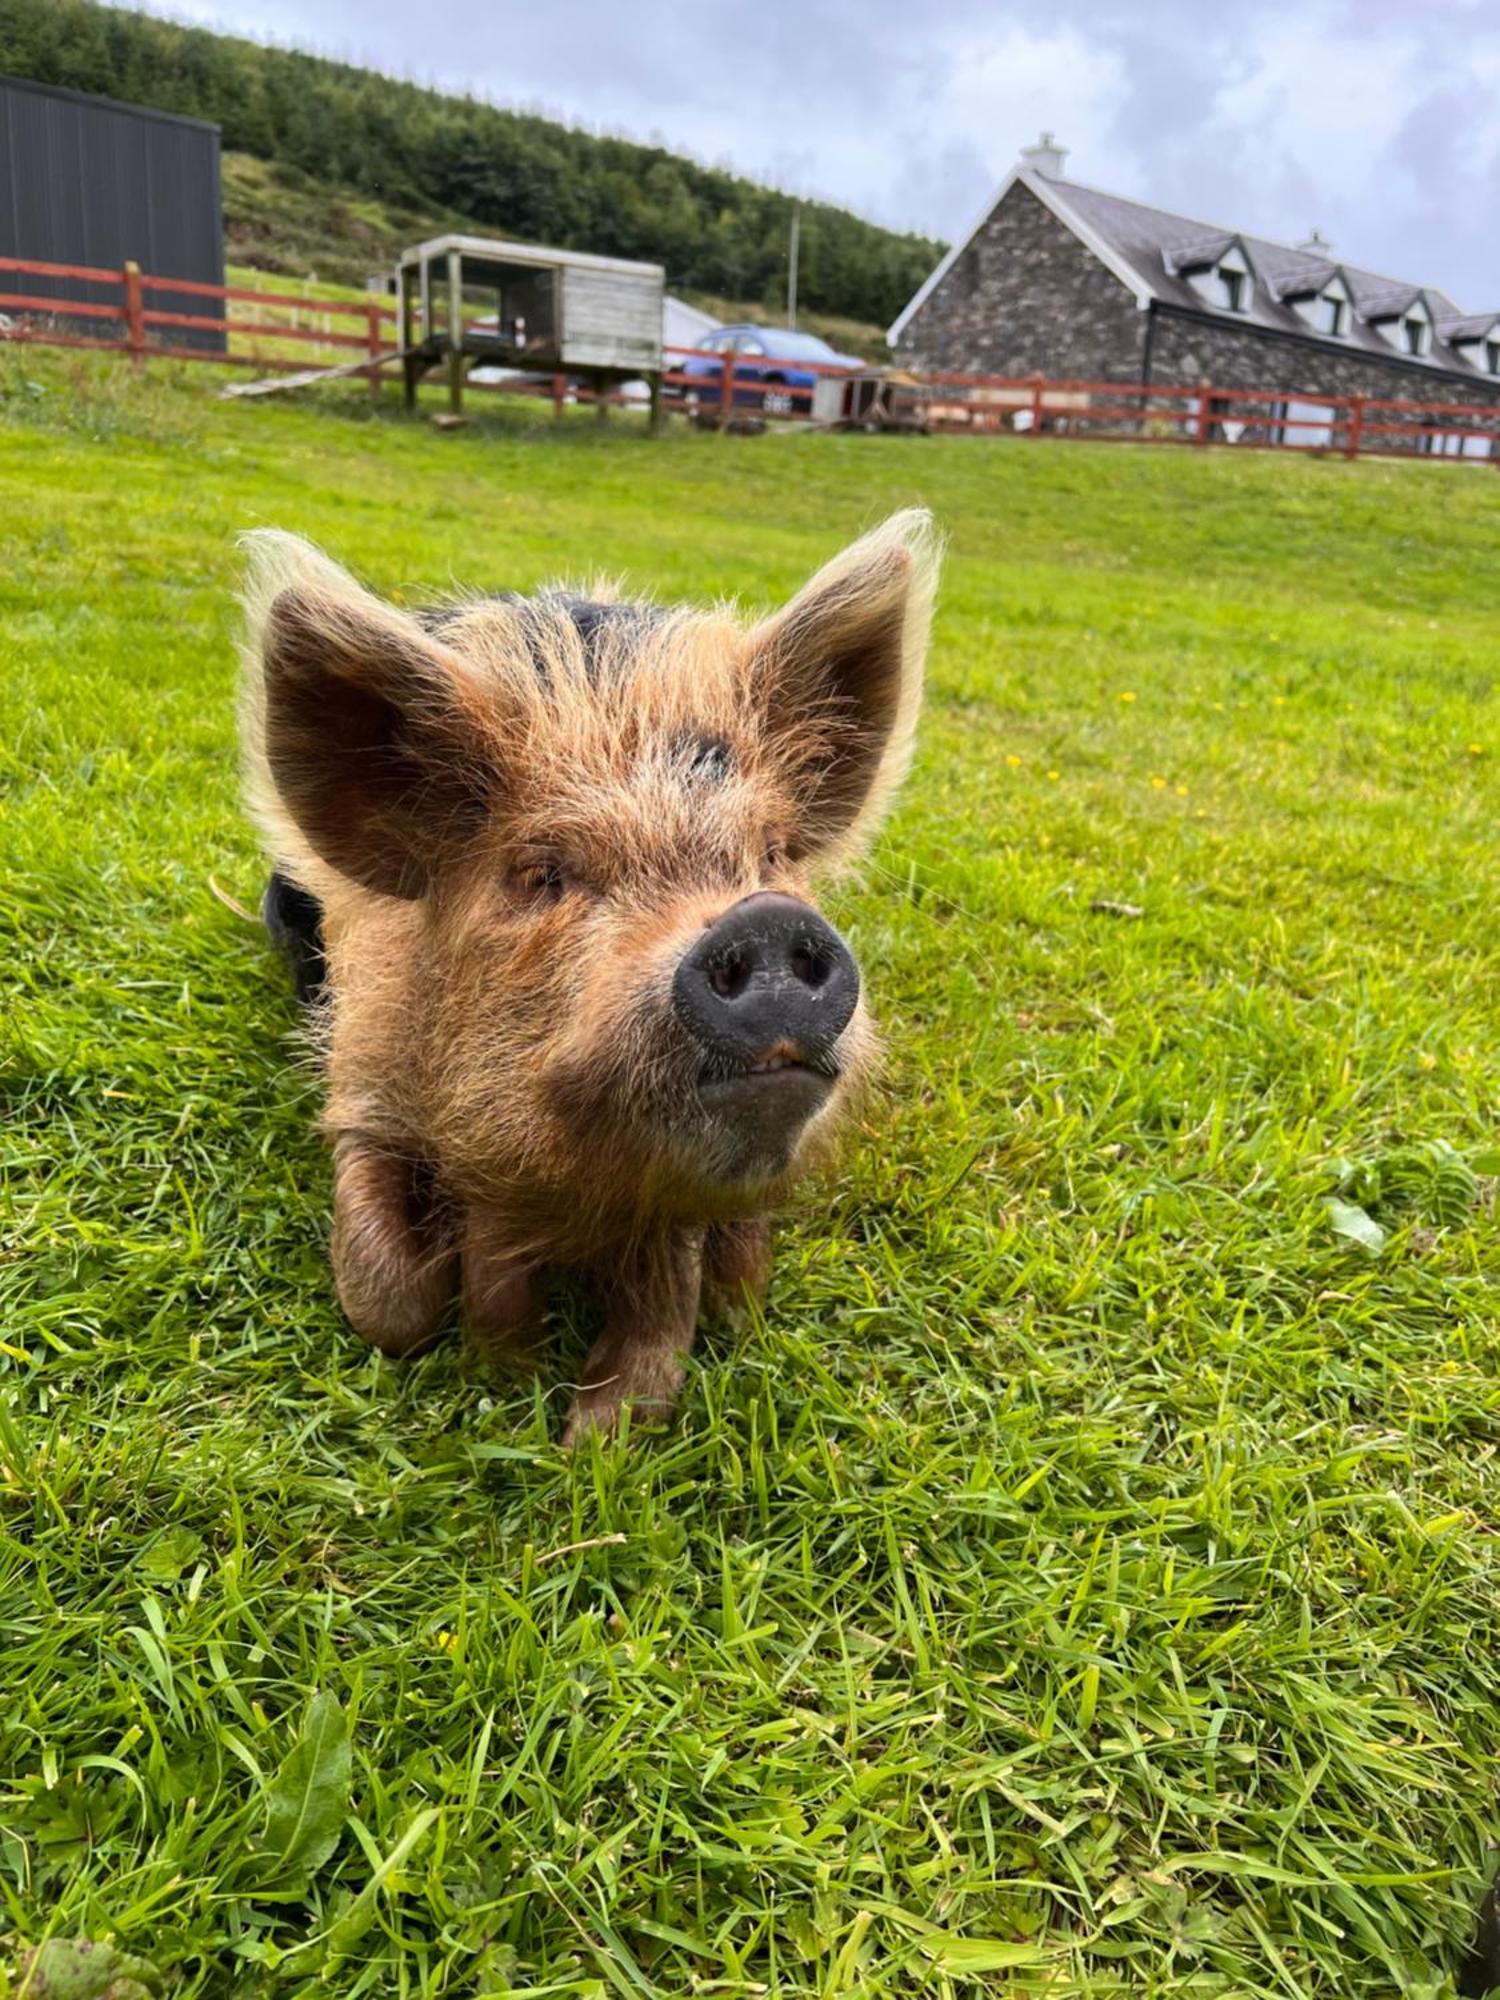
column 522, row 175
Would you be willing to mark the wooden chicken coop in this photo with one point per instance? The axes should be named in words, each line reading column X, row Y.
column 559, row 313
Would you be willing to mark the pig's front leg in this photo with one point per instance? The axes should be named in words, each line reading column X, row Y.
column 736, row 1263
column 503, row 1294
column 650, row 1317
column 394, row 1264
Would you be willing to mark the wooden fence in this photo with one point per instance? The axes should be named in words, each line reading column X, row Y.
column 736, row 387
column 141, row 329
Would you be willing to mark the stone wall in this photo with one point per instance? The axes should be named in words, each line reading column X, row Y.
column 1026, row 298
column 1186, row 349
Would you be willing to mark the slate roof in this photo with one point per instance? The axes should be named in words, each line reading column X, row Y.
column 1303, row 279
column 1153, row 250
column 1199, row 253
column 1469, row 326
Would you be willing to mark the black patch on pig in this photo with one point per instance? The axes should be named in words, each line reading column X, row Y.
column 592, row 619
column 1481, row 1970
column 709, row 759
column 294, row 922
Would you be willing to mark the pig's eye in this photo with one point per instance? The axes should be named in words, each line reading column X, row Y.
column 541, row 882
column 775, row 855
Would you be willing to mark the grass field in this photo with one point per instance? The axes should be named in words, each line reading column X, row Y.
column 1086, row 1579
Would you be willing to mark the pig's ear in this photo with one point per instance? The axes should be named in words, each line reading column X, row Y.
column 364, row 739
column 839, row 673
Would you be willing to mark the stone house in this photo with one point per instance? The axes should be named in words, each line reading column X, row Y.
column 1058, row 279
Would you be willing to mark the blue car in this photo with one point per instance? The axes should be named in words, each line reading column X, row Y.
column 771, row 371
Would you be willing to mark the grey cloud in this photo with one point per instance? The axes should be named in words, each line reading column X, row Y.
column 863, row 103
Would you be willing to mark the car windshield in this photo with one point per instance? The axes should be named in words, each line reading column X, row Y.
column 803, row 346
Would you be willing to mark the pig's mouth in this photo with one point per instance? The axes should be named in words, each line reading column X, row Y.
column 786, row 1061
column 762, row 1108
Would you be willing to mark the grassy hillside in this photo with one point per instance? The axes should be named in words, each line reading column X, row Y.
column 278, row 220
column 1085, row 1579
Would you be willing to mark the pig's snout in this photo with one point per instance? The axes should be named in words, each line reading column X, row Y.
column 772, row 984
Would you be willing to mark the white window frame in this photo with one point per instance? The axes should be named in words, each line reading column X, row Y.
column 1396, row 331
column 1213, row 284
column 1416, row 334
column 1332, row 304
column 1335, row 301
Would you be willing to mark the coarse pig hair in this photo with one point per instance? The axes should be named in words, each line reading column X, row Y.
column 513, row 814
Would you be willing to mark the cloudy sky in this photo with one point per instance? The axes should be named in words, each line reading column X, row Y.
column 1378, row 121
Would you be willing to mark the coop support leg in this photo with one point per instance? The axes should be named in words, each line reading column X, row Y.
column 455, row 333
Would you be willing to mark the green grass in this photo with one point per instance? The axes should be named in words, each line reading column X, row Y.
column 1085, row 1581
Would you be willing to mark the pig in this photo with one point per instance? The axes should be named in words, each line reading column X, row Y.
column 545, row 868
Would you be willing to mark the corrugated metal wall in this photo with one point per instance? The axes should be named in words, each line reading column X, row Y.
column 84, row 180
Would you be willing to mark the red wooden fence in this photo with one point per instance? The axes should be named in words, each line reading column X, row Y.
column 723, row 389
column 136, row 322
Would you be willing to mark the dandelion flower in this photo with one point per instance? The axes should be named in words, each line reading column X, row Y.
column 1158, row 784
column 1014, row 762
column 1127, row 697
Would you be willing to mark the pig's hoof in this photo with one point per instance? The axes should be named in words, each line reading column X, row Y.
column 503, row 1305
column 736, row 1266
column 604, row 1417
column 506, row 1356
column 649, row 1386
column 732, row 1304
column 398, row 1343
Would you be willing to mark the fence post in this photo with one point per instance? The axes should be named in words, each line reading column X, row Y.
column 135, row 321
column 1036, row 405
column 1205, row 414
column 372, row 342
column 559, row 394
column 1356, row 425
column 726, row 388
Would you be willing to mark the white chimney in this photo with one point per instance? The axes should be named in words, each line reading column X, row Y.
column 1046, row 157
column 1315, row 246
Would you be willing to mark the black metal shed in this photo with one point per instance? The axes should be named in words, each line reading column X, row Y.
column 86, row 180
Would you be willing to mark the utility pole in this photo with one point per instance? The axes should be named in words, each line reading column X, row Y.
column 791, row 265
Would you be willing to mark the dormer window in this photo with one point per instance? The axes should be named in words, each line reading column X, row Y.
column 1320, row 298
column 1225, row 284
column 1405, row 324
column 1474, row 338
column 1218, row 268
